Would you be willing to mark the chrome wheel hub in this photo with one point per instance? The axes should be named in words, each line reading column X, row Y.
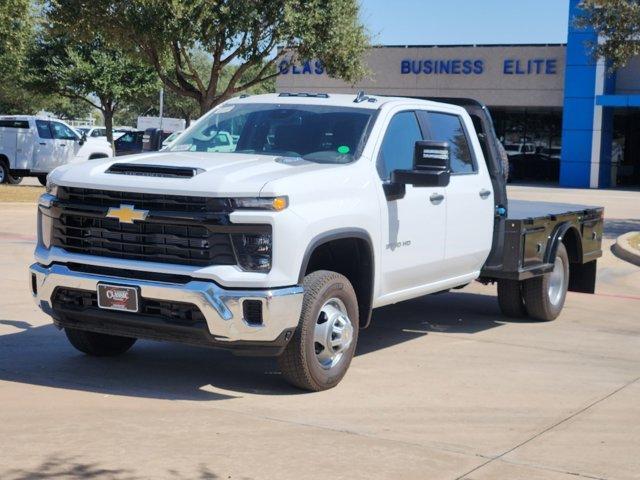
column 556, row 282
column 333, row 333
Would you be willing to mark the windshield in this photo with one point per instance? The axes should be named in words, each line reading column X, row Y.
column 323, row 134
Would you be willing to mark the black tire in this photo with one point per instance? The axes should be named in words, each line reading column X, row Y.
column 43, row 180
column 510, row 299
column 14, row 180
column 4, row 172
column 98, row 344
column 299, row 363
column 537, row 296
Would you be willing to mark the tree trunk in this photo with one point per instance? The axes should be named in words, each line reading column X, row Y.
column 107, row 113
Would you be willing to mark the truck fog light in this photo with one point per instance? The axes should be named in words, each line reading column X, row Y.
column 253, row 251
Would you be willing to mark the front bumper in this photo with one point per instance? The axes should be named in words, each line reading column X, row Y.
column 221, row 308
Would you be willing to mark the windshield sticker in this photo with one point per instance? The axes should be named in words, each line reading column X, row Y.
column 343, row 149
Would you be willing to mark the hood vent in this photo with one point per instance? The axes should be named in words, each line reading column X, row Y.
column 153, row 170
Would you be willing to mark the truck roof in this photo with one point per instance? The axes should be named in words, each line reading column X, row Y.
column 369, row 101
column 26, row 117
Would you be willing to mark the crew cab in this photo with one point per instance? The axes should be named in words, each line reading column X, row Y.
column 328, row 207
column 32, row 146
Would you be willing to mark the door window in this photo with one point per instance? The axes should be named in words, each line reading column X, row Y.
column 62, row 132
column 445, row 127
column 398, row 145
column 44, row 130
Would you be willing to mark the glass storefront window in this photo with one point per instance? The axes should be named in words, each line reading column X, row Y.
column 532, row 138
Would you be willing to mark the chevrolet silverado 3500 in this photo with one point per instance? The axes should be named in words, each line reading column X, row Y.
column 329, row 206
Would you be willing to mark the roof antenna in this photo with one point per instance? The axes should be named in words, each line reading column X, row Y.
column 363, row 97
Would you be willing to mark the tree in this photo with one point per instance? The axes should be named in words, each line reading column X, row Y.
column 92, row 71
column 254, row 36
column 617, row 22
column 179, row 106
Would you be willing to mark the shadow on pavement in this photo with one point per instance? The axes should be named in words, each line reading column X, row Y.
column 72, row 469
column 42, row 356
column 615, row 227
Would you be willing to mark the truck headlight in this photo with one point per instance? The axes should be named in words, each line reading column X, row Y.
column 45, row 228
column 51, row 188
column 275, row 204
column 253, row 251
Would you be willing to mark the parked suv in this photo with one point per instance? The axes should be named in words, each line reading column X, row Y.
column 33, row 146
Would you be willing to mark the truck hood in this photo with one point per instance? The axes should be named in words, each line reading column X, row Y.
column 219, row 174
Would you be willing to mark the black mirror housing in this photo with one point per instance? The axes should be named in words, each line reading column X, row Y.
column 431, row 166
column 432, row 156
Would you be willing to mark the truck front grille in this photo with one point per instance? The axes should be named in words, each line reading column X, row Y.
column 187, row 244
column 145, row 201
column 194, row 231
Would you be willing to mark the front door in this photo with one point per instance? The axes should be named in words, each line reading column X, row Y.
column 66, row 143
column 413, row 227
column 44, row 153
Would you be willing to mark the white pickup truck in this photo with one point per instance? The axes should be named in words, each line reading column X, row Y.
column 32, row 146
column 329, row 206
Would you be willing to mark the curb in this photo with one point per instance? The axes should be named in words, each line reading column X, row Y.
column 623, row 250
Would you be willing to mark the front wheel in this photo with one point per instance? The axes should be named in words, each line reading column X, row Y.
column 98, row 344
column 544, row 296
column 320, row 352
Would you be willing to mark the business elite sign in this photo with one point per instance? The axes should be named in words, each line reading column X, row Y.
column 469, row 66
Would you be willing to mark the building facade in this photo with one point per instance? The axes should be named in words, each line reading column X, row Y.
column 563, row 117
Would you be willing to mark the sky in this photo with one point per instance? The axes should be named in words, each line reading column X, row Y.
column 456, row 22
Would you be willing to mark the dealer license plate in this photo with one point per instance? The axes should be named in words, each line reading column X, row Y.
column 117, row 297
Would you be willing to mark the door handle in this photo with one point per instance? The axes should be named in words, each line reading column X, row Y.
column 42, row 143
column 436, row 198
column 484, row 193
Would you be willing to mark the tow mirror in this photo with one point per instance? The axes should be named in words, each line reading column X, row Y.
column 83, row 138
column 431, row 166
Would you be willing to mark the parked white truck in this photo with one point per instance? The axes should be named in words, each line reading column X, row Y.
column 32, row 146
column 329, row 206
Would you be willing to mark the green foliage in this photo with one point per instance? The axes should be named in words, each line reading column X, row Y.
column 617, row 22
column 92, row 71
column 16, row 25
column 251, row 36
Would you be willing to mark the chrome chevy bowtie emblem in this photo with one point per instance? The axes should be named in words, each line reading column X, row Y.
column 127, row 214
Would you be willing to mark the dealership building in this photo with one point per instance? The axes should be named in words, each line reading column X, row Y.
column 556, row 109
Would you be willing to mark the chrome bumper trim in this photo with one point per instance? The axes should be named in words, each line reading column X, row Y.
column 221, row 308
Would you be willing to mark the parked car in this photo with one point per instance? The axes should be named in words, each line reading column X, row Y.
column 169, row 140
column 32, row 146
column 128, row 142
column 93, row 132
column 327, row 207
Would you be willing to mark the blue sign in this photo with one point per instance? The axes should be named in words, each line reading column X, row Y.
column 307, row 68
column 533, row 66
column 442, row 67
column 469, row 66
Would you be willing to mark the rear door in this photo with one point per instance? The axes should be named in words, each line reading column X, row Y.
column 413, row 227
column 469, row 195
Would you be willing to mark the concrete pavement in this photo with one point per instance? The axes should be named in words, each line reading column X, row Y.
column 443, row 387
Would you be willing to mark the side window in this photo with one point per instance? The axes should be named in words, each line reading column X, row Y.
column 445, row 127
column 14, row 123
column 44, row 130
column 398, row 145
column 62, row 132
